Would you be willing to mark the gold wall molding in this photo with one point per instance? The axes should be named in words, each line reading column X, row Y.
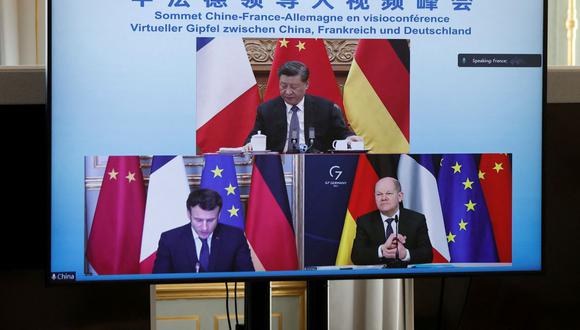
column 200, row 291
column 36, row 32
column 279, row 317
column 218, row 290
column 222, row 317
column 195, row 318
column 571, row 27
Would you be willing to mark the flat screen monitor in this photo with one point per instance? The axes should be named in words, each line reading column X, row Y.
column 294, row 139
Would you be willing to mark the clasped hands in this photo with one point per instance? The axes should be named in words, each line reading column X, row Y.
column 389, row 248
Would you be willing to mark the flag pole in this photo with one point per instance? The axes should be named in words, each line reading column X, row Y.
column 298, row 204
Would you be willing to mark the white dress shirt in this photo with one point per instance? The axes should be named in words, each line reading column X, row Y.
column 198, row 243
column 394, row 226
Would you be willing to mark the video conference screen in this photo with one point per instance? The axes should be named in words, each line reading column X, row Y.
column 247, row 139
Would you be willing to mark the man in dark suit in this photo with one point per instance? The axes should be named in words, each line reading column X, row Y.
column 289, row 120
column 376, row 241
column 203, row 245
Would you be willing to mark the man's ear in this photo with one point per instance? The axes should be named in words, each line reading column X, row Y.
column 307, row 84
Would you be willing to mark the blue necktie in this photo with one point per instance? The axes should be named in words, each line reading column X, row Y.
column 204, row 255
column 294, row 127
column 389, row 230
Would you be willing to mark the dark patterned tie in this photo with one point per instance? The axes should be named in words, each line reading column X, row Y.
column 204, row 255
column 294, row 127
column 389, row 230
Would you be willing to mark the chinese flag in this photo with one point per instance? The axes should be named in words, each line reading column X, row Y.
column 311, row 52
column 495, row 176
column 115, row 239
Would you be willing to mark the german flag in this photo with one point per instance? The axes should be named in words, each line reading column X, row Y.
column 376, row 95
column 361, row 201
column 269, row 226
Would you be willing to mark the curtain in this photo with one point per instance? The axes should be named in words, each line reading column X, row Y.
column 9, row 48
column 370, row 304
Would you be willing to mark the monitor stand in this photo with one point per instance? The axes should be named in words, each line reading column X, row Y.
column 257, row 305
column 317, row 304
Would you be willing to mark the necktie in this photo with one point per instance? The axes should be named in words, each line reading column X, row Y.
column 294, row 127
column 389, row 230
column 204, row 255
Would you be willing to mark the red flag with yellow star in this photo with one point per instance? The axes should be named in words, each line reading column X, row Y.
column 495, row 176
column 311, row 52
column 115, row 238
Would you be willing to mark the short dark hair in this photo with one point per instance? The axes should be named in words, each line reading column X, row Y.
column 207, row 199
column 294, row 68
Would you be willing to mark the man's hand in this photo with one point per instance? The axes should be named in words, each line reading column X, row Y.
column 247, row 147
column 391, row 245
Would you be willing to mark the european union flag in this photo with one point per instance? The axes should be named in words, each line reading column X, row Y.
column 467, row 222
column 219, row 174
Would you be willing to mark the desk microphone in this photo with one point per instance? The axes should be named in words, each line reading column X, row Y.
column 397, row 238
column 397, row 263
column 311, row 135
column 294, row 140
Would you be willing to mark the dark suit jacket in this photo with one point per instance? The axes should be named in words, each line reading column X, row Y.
column 229, row 251
column 370, row 233
column 323, row 115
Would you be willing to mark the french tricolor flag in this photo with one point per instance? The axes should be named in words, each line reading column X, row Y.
column 227, row 94
column 417, row 178
column 165, row 207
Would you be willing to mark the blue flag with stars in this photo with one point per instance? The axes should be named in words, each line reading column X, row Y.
column 467, row 222
column 219, row 174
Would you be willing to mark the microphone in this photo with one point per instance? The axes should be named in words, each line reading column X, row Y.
column 397, row 238
column 197, row 267
column 294, row 140
column 311, row 135
column 397, row 263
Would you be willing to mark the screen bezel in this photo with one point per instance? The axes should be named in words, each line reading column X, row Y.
column 270, row 275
